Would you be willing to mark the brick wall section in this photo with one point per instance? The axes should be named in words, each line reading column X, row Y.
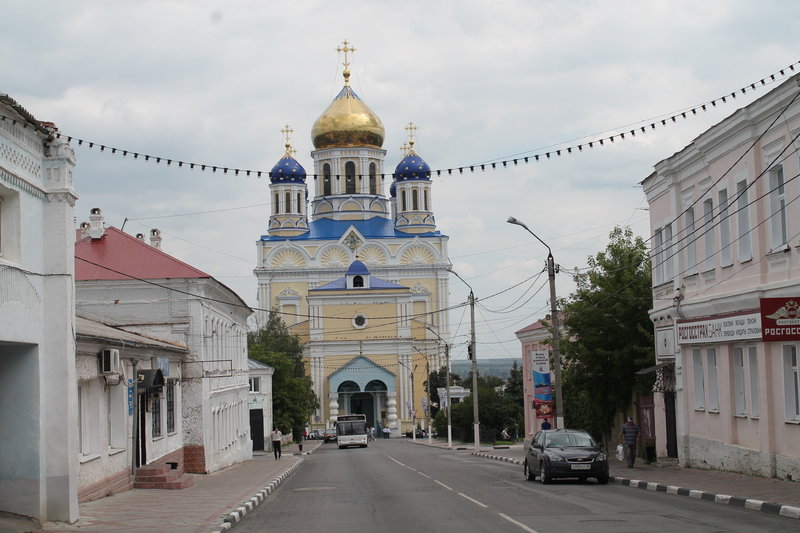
column 119, row 482
column 194, row 459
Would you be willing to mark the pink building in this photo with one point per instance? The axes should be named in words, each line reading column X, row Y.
column 536, row 347
column 725, row 222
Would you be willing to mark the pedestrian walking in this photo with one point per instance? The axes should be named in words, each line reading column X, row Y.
column 386, row 432
column 546, row 424
column 277, row 436
column 629, row 435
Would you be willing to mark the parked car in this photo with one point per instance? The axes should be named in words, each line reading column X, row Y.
column 313, row 435
column 421, row 433
column 565, row 453
column 329, row 435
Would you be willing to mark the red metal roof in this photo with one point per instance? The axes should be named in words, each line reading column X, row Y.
column 117, row 256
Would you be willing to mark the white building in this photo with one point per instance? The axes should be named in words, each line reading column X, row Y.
column 726, row 285
column 115, row 430
column 260, row 403
column 38, row 400
column 134, row 286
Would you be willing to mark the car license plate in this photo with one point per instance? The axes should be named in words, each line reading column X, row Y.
column 582, row 467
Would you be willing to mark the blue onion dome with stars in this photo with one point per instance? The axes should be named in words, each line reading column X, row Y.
column 287, row 169
column 412, row 167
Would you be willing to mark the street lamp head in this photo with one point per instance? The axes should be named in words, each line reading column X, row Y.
column 512, row 220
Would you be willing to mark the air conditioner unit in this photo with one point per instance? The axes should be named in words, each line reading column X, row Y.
column 109, row 362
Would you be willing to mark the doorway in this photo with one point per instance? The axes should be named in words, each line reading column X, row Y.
column 363, row 403
column 671, row 423
column 141, row 445
column 257, row 428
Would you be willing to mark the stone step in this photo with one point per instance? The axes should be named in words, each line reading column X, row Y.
column 177, row 484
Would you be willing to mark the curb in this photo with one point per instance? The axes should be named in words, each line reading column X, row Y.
column 772, row 508
column 234, row 517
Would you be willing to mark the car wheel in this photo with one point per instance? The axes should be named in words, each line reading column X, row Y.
column 602, row 480
column 543, row 475
column 529, row 475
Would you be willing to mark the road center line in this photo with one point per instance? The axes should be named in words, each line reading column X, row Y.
column 442, row 484
column 518, row 524
column 473, row 500
column 395, row 460
column 423, row 474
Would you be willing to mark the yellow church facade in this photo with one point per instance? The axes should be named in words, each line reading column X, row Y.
column 360, row 276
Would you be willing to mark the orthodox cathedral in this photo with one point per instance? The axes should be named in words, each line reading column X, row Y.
column 363, row 278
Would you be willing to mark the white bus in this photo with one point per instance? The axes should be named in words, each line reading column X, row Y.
column 351, row 430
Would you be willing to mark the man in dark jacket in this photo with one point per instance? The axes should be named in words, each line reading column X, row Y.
column 629, row 435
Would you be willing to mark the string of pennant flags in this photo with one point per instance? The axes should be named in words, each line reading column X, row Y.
column 553, row 153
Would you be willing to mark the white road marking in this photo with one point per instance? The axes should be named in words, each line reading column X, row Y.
column 518, row 524
column 442, row 484
column 423, row 474
column 473, row 500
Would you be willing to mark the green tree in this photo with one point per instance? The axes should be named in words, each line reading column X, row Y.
column 608, row 334
column 438, row 378
column 293, row 398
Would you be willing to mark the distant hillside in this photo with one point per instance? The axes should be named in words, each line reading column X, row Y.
column 486, row 367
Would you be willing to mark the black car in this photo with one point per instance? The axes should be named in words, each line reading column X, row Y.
column 565, row 453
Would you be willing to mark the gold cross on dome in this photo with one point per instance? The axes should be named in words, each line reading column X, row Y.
column 287, row 131
column 346, row 48
column 411, row 128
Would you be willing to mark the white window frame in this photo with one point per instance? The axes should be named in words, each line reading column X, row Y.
column 708, row 232
column 713, row 380
column 739, row 382
column 777, row 207
column 691, row 242
column 698, row 380
column 658, row 253
column 725, row 246
column 791, row 380
column 743, row 222
column 755, row 387
column 255, row 384
column 669, row 271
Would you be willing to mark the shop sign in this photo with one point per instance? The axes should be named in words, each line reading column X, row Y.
column 732, row 328
column 780, row 318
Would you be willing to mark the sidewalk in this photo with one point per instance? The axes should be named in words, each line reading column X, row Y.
column 768, row 495
column 201, row 508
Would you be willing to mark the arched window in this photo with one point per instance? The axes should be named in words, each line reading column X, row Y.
column 373, row 179
column 288, row 207
column 275, row 205
column 350, row 177
column 358, row 281
column 403, row 198
column 300, row 203
column 326, row 179
column 414, row 200
column 425, row 196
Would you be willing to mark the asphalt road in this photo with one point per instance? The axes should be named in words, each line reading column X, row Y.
column 393, row 486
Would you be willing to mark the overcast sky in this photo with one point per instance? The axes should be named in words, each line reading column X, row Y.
column 213, row 82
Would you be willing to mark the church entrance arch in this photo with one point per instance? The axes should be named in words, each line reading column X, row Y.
column 362, row 387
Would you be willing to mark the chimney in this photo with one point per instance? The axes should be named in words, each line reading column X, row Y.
column 83, row 230
column 155, row 238
column 96, row 223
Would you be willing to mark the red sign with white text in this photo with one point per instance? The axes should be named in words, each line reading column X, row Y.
column 780, row 319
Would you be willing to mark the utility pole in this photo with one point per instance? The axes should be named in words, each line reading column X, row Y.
column 551, row 276
column 447, row 385
column 474, row 355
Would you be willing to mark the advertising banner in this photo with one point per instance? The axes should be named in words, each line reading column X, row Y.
column 731, row 328
column 780, row 319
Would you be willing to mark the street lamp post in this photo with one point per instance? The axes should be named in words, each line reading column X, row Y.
column 473, row 354
column 551, row 276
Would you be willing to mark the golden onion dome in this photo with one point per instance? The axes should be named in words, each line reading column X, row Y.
column 347, row 122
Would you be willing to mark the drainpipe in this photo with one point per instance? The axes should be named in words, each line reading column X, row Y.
column 135, row 428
